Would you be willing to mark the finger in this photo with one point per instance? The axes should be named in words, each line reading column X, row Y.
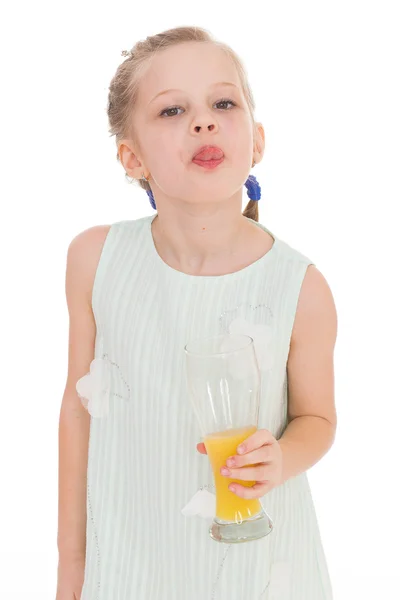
column 259, row 473
column 257, row 490
column 261, row 455
column 201, row 448
column 259, row 438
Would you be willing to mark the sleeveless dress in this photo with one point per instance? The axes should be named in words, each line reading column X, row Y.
column 147, row 536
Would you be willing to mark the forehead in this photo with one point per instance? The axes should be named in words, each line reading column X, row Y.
column 190, row 66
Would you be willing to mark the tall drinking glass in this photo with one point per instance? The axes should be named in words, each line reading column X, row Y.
column 224, row 387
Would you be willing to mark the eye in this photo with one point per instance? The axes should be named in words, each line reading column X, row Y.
column 226, row 101
column 223, row 101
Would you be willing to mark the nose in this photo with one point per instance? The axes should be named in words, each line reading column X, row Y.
column 210, row 127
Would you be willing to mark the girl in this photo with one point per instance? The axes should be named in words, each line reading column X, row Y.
column 130, row 525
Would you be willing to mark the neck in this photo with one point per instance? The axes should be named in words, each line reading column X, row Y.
column 196, row 243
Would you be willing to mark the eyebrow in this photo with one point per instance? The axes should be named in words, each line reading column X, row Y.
column 178, row 90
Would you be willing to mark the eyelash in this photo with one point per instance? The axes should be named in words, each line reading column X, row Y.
column 174, row 107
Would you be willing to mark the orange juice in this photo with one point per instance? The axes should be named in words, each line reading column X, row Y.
column 220, row 446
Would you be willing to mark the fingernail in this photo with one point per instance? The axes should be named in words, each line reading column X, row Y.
column 225, row 471
column 241, row 449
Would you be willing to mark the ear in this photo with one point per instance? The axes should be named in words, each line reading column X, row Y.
column 259, row 142
column 129, row 157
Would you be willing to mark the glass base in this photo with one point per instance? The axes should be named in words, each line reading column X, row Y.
column 251, row 529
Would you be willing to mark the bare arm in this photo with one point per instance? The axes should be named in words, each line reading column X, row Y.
column 311, row 400
column 74, row 422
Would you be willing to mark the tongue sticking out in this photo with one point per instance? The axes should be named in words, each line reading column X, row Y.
column 211, row 154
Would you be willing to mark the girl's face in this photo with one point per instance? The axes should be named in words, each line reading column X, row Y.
column 199, row 109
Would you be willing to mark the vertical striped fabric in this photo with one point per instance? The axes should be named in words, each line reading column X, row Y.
column 143, row 465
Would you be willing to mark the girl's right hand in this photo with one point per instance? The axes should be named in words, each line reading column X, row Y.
column 70, row 577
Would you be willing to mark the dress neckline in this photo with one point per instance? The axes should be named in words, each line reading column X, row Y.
column 259, row 263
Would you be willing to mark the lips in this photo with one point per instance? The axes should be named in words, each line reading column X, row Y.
column 208, row 153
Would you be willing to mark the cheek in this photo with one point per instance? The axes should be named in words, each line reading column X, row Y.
column 240, row 134
column 165, row 152
column 167, row 164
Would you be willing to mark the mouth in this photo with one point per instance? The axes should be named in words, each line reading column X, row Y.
column 208, row 152
column 208, row 164
column 208, row 157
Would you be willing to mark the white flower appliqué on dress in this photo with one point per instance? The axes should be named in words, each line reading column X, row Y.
column 256, row 322
column 94, row 388
column 202, row 504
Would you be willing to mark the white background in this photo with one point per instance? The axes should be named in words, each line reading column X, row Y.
column 325, row 76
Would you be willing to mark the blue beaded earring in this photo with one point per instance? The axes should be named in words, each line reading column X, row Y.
column 252, row 185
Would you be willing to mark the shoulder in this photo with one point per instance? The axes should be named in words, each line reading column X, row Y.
column 84, row 253
column 87, row 248
column 86, row 238
column 316, row 310
column 87, row 244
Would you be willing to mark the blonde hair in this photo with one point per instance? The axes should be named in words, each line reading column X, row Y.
column 123, row 89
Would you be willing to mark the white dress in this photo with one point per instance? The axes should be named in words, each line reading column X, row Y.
column 144, row 538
